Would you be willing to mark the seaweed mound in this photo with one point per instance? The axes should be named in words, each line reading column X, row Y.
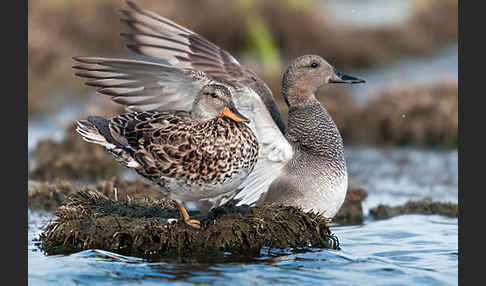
column 88, row 219
column 49, row 196
column 425, row 206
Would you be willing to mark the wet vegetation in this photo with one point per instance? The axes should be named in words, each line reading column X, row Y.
column 351, row 212
column 132, row 218
column 90, row 220
column 49, row 196
column 425, row 115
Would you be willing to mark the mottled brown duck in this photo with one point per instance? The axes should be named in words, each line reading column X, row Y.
column 203, row 154
column 301, row 164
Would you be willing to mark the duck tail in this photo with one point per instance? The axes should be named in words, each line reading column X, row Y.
column 94, row 130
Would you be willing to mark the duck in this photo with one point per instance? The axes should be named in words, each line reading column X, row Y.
column 301, row 163
column 204, row 153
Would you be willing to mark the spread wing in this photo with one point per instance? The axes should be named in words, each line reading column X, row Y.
column 155, row 36
column 194, row 62
column 141, row 85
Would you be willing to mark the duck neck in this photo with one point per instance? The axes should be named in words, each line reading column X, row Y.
column 298, row 95
column 312, row 131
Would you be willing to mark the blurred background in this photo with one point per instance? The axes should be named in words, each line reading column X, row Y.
column 405, row 49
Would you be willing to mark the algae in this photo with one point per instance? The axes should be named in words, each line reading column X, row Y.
column 48, row 196
column 423, row 115
column 90, row 220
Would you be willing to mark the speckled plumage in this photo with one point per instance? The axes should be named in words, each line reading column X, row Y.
column 192, row 155
column 316, row 177
column 309, row 127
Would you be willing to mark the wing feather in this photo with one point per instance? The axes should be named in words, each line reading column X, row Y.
column 155, row 36
column 275, row 150
column 140, row 85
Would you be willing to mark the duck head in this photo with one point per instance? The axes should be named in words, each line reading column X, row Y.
column 215, row 100
column 305, row 75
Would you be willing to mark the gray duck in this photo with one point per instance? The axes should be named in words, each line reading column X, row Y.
column 205, row 153
column 301, row 164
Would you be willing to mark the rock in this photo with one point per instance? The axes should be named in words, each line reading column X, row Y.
column 425, row 206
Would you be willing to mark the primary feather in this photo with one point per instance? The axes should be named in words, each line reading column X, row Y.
column 142, row 85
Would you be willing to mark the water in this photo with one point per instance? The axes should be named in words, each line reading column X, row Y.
column 53, row 125
column 404, row 250
column 441, row 65
column 367, row 13
column 408, row 71
column 397, row 175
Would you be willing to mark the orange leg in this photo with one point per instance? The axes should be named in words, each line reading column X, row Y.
column 185, row 216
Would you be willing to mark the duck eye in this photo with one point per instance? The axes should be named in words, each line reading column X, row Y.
column 314, row 65
column 212, row 94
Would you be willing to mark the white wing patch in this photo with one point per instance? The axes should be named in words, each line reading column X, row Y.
column 275, row 150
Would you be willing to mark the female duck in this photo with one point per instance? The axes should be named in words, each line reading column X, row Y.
column 203, row 154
